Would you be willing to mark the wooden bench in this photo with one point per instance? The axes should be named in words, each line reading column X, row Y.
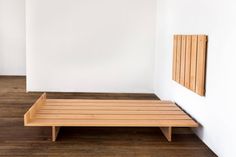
column 57, row 113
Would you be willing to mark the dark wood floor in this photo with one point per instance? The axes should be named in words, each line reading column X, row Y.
column 17, row 140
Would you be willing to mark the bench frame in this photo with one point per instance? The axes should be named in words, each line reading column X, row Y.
column 30, row 116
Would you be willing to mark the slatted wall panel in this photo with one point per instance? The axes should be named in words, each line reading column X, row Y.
column 189, row 61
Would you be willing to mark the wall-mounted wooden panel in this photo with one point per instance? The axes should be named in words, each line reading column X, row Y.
column 189, row 61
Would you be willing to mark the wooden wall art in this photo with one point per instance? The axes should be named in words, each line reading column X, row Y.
column 189, row 61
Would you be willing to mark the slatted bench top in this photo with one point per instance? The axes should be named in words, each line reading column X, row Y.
column 125, row 113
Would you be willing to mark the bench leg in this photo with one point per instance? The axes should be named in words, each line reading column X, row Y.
column 55, row 131
column 167, row 131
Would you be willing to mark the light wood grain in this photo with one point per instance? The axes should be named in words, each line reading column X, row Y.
column 71, row 101
column 193, row 63
column 107, row 113
column 174, row 58
column 114, row 123
column 182, row 60
column 189, row 62
column 178, row 58
column 201, row 65
column 100, row 104
column 110, row 108
column 30, row 114
column 55, row 132
column 113, row 117
column 167, row 131
column 100, row 112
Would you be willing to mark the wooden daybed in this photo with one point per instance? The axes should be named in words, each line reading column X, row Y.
column 57, row 113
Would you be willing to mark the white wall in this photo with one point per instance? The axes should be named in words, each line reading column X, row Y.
column 216, row 112
column 12, row 37
column 90, row 45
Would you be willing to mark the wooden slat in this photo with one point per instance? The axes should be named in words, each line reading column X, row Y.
column 107, row 112
column 114, row 108
column 107, row 117
column 201, row 63
column 182, row 60
column 124, row 123
column 107, row 104
column 178, row 58
column 188, row 61
column 112, row 104
column 193, row 63
column 174, row 58
column 107, row 101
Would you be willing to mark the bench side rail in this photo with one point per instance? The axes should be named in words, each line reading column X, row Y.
column 29, row 115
